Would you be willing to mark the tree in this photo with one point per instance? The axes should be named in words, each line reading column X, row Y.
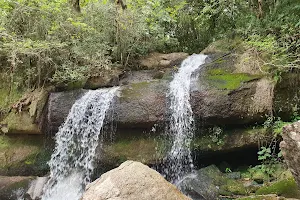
column 76, row 5
column 121, row 3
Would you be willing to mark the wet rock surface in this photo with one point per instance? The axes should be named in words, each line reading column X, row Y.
column 13, row 187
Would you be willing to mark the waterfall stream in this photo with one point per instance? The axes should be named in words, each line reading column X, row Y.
column 180, row 131
column 71, row 164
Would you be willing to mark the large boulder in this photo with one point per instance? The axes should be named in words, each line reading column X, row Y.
column 144, row 104
column 290, row 147
column 131, row 181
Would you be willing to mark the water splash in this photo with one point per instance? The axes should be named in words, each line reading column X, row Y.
column 180, row 131
column 71, row 164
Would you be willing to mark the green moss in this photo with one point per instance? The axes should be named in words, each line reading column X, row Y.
column 259, row 176
column 286, row 188
column 21, row 123
column 19, row 151
column 232, row 187
column 4, row 142
column 223, row 79
column 138, row 149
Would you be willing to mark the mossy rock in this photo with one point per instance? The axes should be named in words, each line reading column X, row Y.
column 23, row 156
column 232, row 187
column 223, row 79
column 26, row 114
column 230, row 139
column 20, row 123
column 262, row 197
column 10, row 185
column 72, row 85
column 138, row 149
column 286, row 188
column 259, row 176
column 227, row 186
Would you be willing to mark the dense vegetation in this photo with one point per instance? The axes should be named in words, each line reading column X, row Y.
column 57, row 41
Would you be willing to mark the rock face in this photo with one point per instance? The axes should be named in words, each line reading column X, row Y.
column 290, row 147
column 26, row 115
column 144, row 104
column 23, row 156
column 59, row 105
column 287, row 95
column 131, row 181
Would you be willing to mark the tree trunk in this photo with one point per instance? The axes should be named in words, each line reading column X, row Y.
column 260, row 9
column 76, row 5
column 121, row 3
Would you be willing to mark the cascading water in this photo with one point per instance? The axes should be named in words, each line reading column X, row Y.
column 71, row 164
column 180, row 131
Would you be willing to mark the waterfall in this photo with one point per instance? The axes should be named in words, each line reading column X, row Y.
column 71, row 164
column 180, row 130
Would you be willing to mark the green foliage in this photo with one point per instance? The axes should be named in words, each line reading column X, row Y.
column 264, row 153
column 46, row 42
column 228, row 170
column 216, row 135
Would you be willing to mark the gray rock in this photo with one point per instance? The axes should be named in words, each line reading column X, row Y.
column 59, row 105
column 199, row 186
column 143, row 104
column 233, row 175
column 290, row 147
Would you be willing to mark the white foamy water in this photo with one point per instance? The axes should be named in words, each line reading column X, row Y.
column 178, row 160
column 71, row 164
